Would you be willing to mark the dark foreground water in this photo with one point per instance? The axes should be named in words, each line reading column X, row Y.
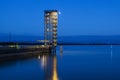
column 69, row 63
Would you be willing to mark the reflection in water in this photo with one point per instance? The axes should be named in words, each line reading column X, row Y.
column 55, row 76
column 87, row 66
column 38, row 56
column 111, row 52
column 61, row 50
column 44, row 61
column 49, row 65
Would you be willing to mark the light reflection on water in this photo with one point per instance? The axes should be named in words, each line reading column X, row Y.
column 49, row 65
column 69, row 63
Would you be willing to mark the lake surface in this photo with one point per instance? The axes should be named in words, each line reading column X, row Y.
column 69, row 63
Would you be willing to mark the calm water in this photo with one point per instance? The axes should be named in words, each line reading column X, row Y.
column 69, row 63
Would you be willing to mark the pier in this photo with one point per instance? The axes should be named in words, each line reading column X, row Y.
column 48, row 45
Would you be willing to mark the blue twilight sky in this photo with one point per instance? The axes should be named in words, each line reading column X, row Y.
column 78, row 17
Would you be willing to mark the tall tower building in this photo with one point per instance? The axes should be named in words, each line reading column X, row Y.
column 50, row 28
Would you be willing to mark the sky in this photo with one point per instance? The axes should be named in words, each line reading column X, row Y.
column 78, row 17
